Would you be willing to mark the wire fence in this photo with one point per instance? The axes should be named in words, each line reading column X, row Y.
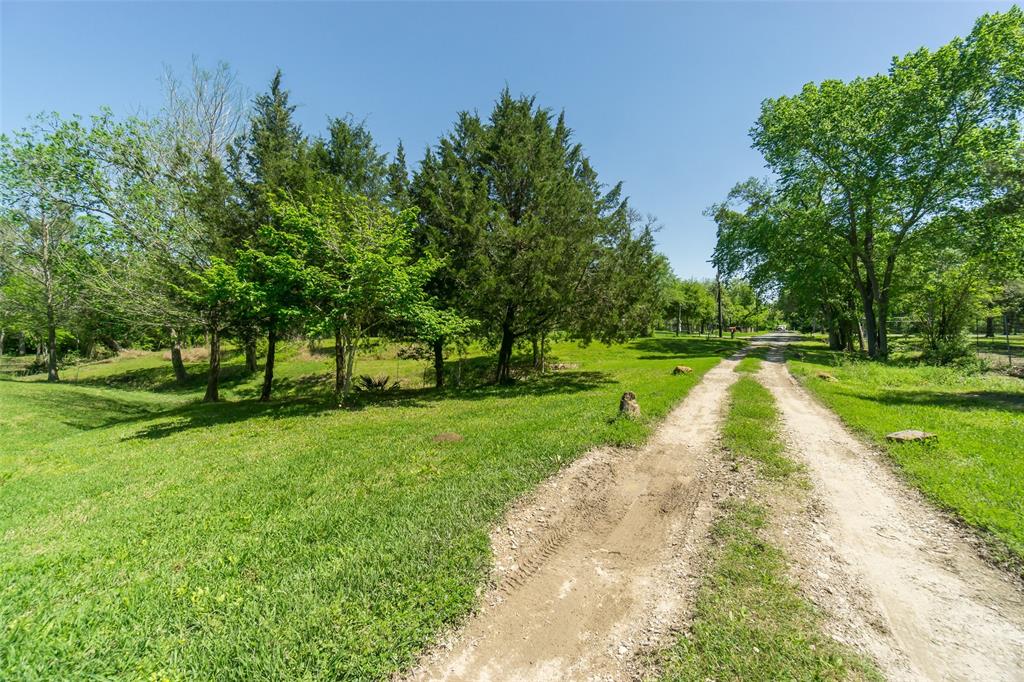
column 998, row 340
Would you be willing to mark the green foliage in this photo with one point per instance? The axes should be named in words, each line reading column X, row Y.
column 381, row 384
column 531, row 240
column 945, row 300
column 870, row 167
column 349, row 262
column 43, row 224
column 350, row 156
column 689, row 302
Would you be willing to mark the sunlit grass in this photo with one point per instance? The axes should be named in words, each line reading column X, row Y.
column 976, row 465
column 147, row 533
column 750, row 621
column 751, row 429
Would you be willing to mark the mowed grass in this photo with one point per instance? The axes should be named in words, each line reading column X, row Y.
column 976, row 465
column 751, row 429
column 751, row 362
column 145, row 534
column 750, row 620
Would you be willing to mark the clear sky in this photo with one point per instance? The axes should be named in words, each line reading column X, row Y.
column 662, row 95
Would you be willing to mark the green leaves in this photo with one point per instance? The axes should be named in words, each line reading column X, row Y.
column 868, row 168
column 531, row 240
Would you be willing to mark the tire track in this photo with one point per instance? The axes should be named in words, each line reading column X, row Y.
column 598, row 565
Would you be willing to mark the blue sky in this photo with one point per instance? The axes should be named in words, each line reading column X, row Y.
column 662, row 95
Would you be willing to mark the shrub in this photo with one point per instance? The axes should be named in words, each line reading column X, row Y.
column 382, row 384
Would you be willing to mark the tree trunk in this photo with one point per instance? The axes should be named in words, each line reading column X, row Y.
column 180, row 375
column 339, row 362
column 834, row 341
column 3, row 334
column 536, row 353
column 847, row 330
column 721, row 322
column 439, row 363
column 543, row 352
column 990, row 327
column 21, row 343
column 213, row 375
column 505, row 352
column 350, row 361
column 51, row 350
column 882, row 322
column 870, row 326
column 250, row 354
column 268, row 367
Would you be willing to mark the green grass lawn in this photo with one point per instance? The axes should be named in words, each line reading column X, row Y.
column 750, row 621
column 751, row 429
column 752, row 361
column 147, row 534
column 975, row 467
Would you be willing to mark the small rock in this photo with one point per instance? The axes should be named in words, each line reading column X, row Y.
column 825, row 376
column 909, row 436
column 628, row 405
column 447, row 437
column 682, row 369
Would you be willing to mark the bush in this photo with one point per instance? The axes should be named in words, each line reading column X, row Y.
column 382, row 384
column 951, row 350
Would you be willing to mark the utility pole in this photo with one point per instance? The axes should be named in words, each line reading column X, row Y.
column 718, row 280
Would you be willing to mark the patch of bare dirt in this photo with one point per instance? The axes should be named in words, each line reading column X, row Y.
column 597, row 567
column 898, row 579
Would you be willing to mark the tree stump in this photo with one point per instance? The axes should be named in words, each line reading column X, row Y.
column 628, row 406
column 682, row 369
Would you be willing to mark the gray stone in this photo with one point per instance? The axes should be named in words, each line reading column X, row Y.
column 909, row 436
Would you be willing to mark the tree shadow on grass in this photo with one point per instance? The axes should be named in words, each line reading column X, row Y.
column 161, row 379
column 202, row 415
column 662, row 348
column 85, row 410
column 974, row 400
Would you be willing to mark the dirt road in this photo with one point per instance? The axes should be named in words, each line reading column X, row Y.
column 597, row 565
column 600, row 563
column 912, row 591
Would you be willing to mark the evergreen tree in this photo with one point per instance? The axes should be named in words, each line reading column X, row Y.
column 271, row 159
column 517, row 208
column 398, row 185
column 350, row 156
